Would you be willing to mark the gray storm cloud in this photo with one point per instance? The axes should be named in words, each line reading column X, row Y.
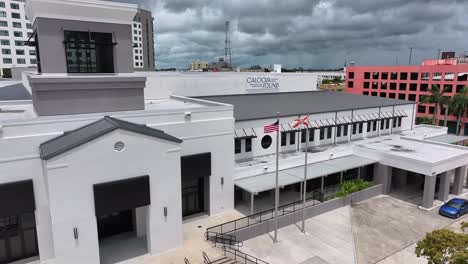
column 307, row 33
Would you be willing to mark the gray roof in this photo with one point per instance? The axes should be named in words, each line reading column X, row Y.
column 267, row 181
column 14, row 92
column 266, row 105
column 82, row 135
column 449, row 138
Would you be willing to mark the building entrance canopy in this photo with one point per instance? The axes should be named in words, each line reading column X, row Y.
column 267, row 181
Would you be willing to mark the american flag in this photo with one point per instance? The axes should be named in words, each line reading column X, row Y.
column 271, row 128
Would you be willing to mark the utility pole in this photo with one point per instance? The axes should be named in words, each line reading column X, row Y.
column 410, row 54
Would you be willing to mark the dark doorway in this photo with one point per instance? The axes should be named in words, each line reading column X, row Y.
column 193, row 200
column 18, row 238
column 115, row 223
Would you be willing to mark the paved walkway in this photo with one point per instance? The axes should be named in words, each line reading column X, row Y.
column 386, row 230
column 328, row 240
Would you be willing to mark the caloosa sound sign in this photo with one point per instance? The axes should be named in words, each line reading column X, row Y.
column 263, row 82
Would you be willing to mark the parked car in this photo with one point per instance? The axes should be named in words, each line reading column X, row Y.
column 454, row 208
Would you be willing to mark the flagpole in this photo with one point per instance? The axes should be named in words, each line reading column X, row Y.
column 304, row 188
column 276, row 186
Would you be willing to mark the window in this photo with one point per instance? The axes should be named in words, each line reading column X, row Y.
column 374, row 125
column 425, row 76
column 367, row 75
column 436, row 76
column 375, row 75
column 345, row 130
column 394, row 75
column 399, row 121
column 421, row 98
column 375, row 85
column 283, row 138
column 338, row 131
column 448, row 88
column 329, row 132
column 369, row 126
column 387, row 124
column 3, row 14
column 6, row 51
column 355, row 128
column 292, row 138
column 403, row 76
column 16, row 24
column 303, row 135
column 32, row 52
column 14, row 6
column 383, row 86
column 19, row 43
column 414, row 76
column 89, row 52
column 374, row 94
column 431, row 110
column 15, row 15
column 365, row 93
column 5, row 42
column 4, row 33
column 382, row 124
column 21, row 61
column 402, row 87
column 412, row 97
column 237, row 146
column 413, row 87
column 423, row 87
column 394, row 122
column 322, row 133
column 383, row 95
column 360, row 128
column 392, row 95
column 266, row 141
column 350, row 84
column 449, row 76
column 18, row 34
column 421, row 109
column 384, row 75
column 459, row 87
column 351, row 75
column 366, row 85
column 402, row 96
column 311, row 134
column 19, row 52
column 2, row 4
column 393, row 86
column 28, row 26
column 3, row 24
column 7, row 61
column 33, row 61
column 29, row 34
column 248, row 145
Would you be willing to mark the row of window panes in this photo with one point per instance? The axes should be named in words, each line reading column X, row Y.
column 6, row 42
column 12, row 5
column 17, row 34
column 414, row 76
column 136, row 39
column 18, row 52
column 238, row 144
column 15, row 24
column 136, row 32
column 13, row 15
column 136, row 25
column 19, row 61
column 423, row 87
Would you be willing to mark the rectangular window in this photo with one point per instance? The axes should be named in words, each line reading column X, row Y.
column 3, row 14
column 6, row 51
column 412, row 97
column 431, row 110
column 303, row 135
column 394, row 122
column 375, row 85
column 355, row 128
column 367, row 75
column 19, row 43
column 402, row 87
column 248, row 145
column 384, row 75
column 237, row 146
column 7, row 61
column 436, row 76
column 449, row 76
column 399, row 121
column 365, row 93
column 369, row 126
column 425, row 76
column 21, row 61
column 350, row 84
column 387, row 124
column 292, row 138
column 394, row 75
column 392, row 95
column 19, row 52
column 33, row 61
column 403, row 76
column 283, row 138
column 421, row 109
column 423, row 87
column 16, row 24
column 382, row 124
column 351, row 75
column 383, row 85
column 3, row 24
column 2, row 4
column 89, row 52
column 311, row 134
column 345, row 130
column 448, row 88
column 5, row 42
column 14, row 6
column 15, row 15
column 28, row 26
column 18, row 34
column 322, row 133
column 366, row 85
column 4, row 33
column 338, row 131
column 375, row 75
column 383, row 95
column 402, row 96
column 360, row 128
column 374, row 125
column 393, row 86
column 413, row 87
column 414, row 76
column 32, row 52
column 329, row 132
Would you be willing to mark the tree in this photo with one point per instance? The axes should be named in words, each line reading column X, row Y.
column 436, row 97
column 444, row 104
column 443, row 247
column 458, row 106
column 425, row 120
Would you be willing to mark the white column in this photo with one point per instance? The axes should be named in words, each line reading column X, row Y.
column 460, row 174
column 383, row 175
column 444, row 186
column 429, row 191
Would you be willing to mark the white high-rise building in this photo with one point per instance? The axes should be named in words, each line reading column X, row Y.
column 137, row 45
column 15, row 29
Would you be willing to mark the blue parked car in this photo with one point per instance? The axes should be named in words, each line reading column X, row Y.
column 454, row 208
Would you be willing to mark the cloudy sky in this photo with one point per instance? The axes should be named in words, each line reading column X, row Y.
column 307, row 33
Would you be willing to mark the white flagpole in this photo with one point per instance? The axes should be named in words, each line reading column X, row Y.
column 276, row 186
column 304, row 185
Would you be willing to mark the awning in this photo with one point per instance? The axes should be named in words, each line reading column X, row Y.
column 288, row 128
column 244, row 133
column 265, row 182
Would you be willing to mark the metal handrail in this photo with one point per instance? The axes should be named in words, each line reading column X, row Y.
column 241, row 256
column 206, row 259
column 264, row 215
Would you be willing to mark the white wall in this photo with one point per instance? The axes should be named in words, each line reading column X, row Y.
column 162, row 85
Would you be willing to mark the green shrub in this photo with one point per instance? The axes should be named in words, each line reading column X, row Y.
column 349, row 187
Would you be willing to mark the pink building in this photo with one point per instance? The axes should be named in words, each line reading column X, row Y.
column 411, row 83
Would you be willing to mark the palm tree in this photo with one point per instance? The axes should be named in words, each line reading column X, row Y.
column 436, row 97
column 444, row 104
column 458, row 106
